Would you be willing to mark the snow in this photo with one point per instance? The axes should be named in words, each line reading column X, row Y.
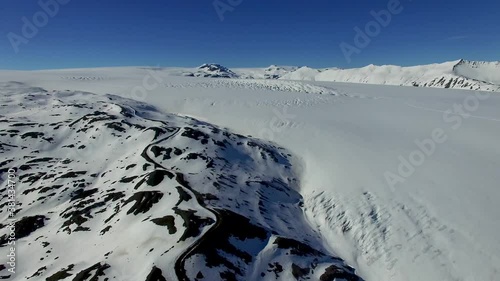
column 455, row 74
column 377, row 74
column 303, row 73
column 460, row 74
column 441, row 223
column 271, row 72
column 482, row 71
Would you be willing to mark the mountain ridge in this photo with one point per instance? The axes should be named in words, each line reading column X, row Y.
column 458, row 74
column 148, row 195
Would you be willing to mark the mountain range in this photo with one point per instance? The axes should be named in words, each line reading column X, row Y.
column 461, row 74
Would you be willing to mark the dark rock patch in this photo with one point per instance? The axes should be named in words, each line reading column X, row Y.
column 128, row 179
column 157, row 176
column 299, row 272
column 89, row 275
column 276, row 268
column 168, row 221
column 155, row 275
column 82, row 194
column 195, row 134
column 114, row 196
column 296, row 247
column 193, row 224
column 39, row 272
column 62, row 274
column 25, row 226
column 143, row 201
column 217, row 241
column 333, row 273
column 72, row 175
column 183, row 195
column 33, row 135
column 130, row 166
column 106, row 229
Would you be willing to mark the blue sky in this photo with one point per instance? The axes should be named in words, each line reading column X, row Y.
column 89, row 33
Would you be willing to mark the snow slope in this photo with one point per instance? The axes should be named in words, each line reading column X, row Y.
column 461, row 74
column 479, row 70
column 440, row 223
column 149, row 196
column 303, row 73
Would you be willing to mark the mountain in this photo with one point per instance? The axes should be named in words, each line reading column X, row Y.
column 303, row 73
column 211, row 70
column 487, row 72
column 110, row 188
column 462, row 74
column 271, row 72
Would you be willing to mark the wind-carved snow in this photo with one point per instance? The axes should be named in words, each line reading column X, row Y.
column 272, row 85
column 110, row 188
column 84, row 78
column 371, row 226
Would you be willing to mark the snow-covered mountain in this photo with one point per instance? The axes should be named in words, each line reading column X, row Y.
column 462, row 74
column 271, row 72
column 488, row 72
column 112, row 189
column 207, row 150
column 211, row 70
column 302, row 73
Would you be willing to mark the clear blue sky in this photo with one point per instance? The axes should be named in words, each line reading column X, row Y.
column 88, row 33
